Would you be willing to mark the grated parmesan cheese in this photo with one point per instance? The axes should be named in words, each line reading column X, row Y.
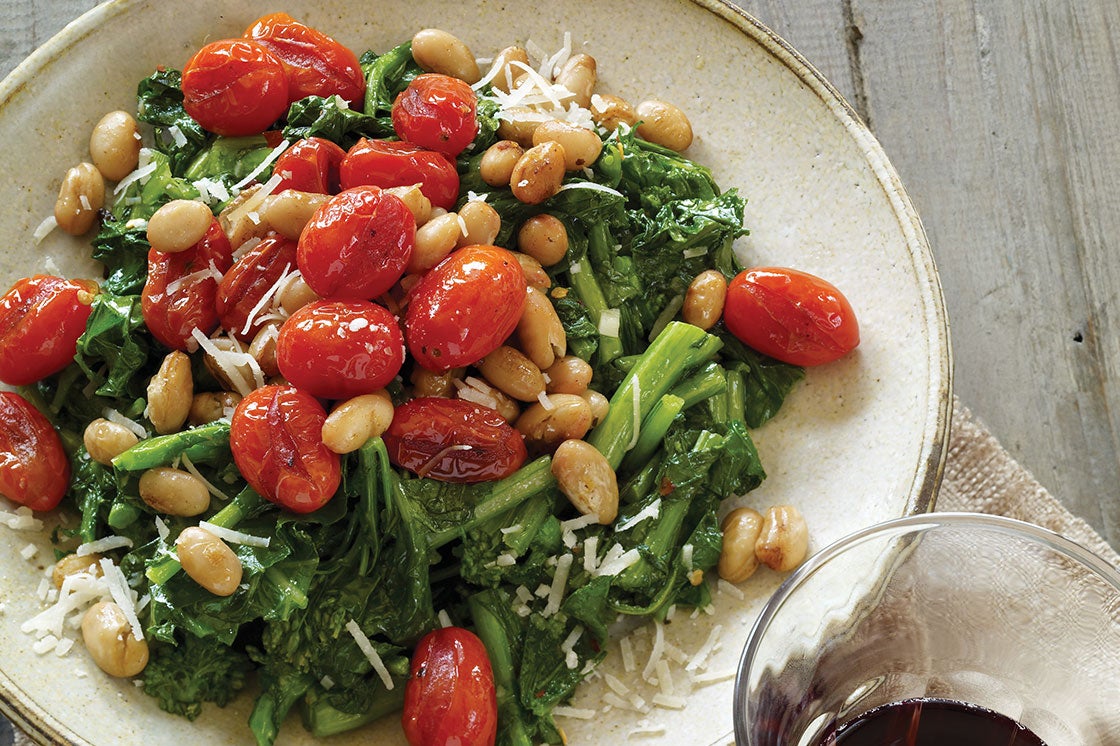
column 559, row 585
column 592, row 186
column 664, row 679
column 235, row 537
column 668, row 701
column 712, row 677
column 573, row 712
column 103, row 544
column 444, row 618
column 627, row 649
column 649, row 511
column 590, row 551
column 700, row 660
column 575, row 524
column 116, row 417
column 262, row 166
column 21, row 520
column 608, row 322
column 122, row 594
column 138, row 175
column 657, row 652
column 29, row 551
column 686, row 557
column 208, row 273
column 547, row 403
column 506, row 560
column 190, row 467
column 43, row 230
column 667, row 314
column 266, row 299
column 724, row 587
column 370, row 653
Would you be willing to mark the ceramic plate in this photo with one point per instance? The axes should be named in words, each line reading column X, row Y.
column 859, row 441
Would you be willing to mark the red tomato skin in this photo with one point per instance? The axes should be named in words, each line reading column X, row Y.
column 310, row 165
column 424, row 434
column 340, row 349
column 246, row 283
column 462, row 309
column 450, row 696
column 41, row 319
column 170, row 316
column 315, row 64
column 277, row 443
column 34, row 470
column 391, row 164
column 790, row 315
column 234, row 87
column 357, row 244
column 437, row 112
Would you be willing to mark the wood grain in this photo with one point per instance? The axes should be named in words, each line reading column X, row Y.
column 1000, row 117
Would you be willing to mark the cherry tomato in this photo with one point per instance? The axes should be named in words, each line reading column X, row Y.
column 245, row 285
column 235, row 87
column 357, row 244
column 34, row 470
column 790, row 315
column 310, row 165
column 181, row 289
column 41, row 319
column 340, row 349
column 453, row 440
column 316, row 64
column 462, row 309
column 277, row 443
column 450, row 696
column 437, row 112
column 390, row 164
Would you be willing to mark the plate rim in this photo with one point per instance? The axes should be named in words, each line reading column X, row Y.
column 42, row 727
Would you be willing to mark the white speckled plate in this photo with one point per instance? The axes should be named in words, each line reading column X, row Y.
column 859, row 441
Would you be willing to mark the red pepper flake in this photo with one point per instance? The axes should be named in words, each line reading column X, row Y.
column 666, row 487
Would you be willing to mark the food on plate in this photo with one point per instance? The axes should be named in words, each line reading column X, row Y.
column 405, row 378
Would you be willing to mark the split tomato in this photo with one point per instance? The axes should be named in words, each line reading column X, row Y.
column 450, row 696
column 244, row 286
column 277, row 443
column 437, row 112
column 34, row 470
column 235, row 87
column 790, row 315
column 315, row 64
column 392, row 164
column 310, row 165
column 453, row 440
column 41, row 319
column 340, row 349
column 179, row 294
column 464, row 308
column 357, row 244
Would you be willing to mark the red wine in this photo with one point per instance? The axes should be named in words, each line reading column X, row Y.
column 932, row 722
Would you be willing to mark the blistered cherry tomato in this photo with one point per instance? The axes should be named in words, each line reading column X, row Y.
column 41, row 318
column 310, row 165
column 179, row 294
column 244, row 286
column 235, row 87
column 34, row 470
column 316, row 64
column 450, row 696
column 357, row 244
column 464, row 307
column 276, row 436
column 390, row 164
column 437, row 112
column 340, row 349
column 790, row 315
column 453, row 440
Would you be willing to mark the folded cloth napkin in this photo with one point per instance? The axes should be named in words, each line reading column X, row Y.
column 980, row 477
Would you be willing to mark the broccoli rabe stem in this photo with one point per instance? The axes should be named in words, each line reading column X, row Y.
column 653, row 431
column 500, row 650
column 587, row 288
column 679, row 348
column 323, row 720
column 241, row 506
column 704, row 384
column 198, row 444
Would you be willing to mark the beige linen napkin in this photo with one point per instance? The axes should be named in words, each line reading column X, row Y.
column 981, row 477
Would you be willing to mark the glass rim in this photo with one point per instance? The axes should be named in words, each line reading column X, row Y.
column 1062, row 544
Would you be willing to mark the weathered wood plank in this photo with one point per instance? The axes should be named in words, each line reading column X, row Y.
column 1000, row 118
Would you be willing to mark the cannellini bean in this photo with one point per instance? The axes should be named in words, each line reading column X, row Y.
column 263, row 348
column 429, row 383
column 544, row 238
column 512, row 372
column 609, row 111
column 741, row 528
column 483, row 223
column 784, row 540
column 566, row 417
column 581, row 145
column 170, row 392
column 507, row 76
column 352, row 422
column 539, row 330
column 518, row 124
column 569, row 375
column 105, row 440
column 114, row 145
column 288, row 212
column 109, row 639
column 538, row 174
column 415, row 200
column 704, row 299
column 491, row 396
column 437, row 51
column 496, row 165
column 435, row 239
column 174, row 492
column 243, row 217
column 209, row 561
column 599, row 404
column 178, row 225
column 665, row 125
column 535, row 276
column 295, row 294
column 210, row 406
column 586, row 478
column 579, row 76
column 81, row 195
column 72, row 564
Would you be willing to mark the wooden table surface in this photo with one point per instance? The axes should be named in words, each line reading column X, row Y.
column 1000, row 116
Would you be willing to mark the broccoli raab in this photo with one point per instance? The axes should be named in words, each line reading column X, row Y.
column 392, row 550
